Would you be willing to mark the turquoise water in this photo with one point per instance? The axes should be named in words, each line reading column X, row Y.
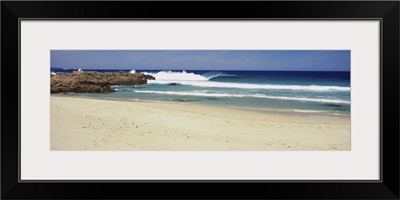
column 325, row 92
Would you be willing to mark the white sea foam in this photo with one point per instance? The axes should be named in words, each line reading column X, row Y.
column 254, row 86
column 52, row 73
column 203, row 94
column 185, row 78
column 168, row 76
column 132, row 71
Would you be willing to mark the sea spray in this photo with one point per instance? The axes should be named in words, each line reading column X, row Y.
column 166, row 76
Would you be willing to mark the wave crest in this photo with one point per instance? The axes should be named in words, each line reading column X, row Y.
column 183, row 76
column 211, row 75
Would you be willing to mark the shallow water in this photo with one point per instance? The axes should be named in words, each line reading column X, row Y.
column 308, row 92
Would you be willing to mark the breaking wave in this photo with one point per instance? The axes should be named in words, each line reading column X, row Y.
column 185, row 78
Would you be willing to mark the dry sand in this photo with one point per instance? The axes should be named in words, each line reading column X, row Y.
column 95, row 124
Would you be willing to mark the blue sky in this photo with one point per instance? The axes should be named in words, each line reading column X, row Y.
column 275, row 60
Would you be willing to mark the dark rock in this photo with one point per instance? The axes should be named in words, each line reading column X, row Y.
column 174, row 84
column 333, row 105
column 94, row 82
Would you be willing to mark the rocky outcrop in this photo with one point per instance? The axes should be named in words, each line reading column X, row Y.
column 94, row 82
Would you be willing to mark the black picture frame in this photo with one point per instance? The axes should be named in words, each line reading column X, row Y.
column 386, row 11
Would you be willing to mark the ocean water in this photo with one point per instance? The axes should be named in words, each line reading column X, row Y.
column 303, row 92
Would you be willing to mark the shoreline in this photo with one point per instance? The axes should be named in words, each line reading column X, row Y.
column 81, row 123
column 289, row 112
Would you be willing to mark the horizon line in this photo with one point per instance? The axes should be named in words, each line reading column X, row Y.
column 200, row 70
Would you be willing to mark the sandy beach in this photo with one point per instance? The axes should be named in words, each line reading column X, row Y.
column 96, row 124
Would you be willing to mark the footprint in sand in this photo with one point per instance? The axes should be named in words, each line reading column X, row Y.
column 105, row 140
